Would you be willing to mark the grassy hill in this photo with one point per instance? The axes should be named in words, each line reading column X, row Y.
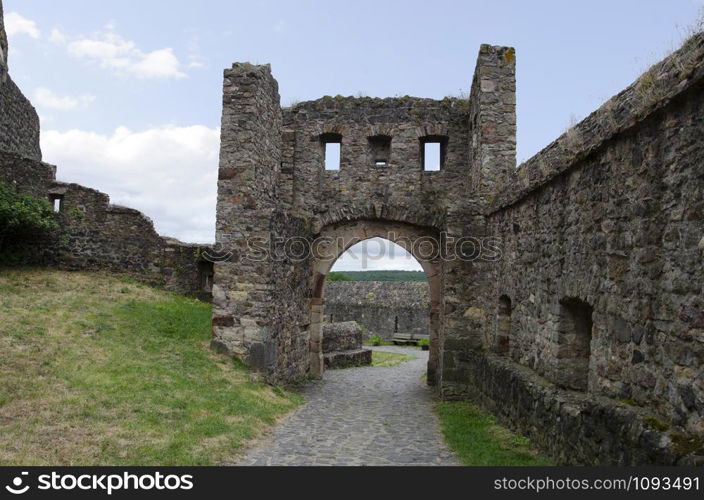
column 381, row 275
column 99, row 370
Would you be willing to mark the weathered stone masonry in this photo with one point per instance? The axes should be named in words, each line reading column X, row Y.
column 382, row 307
column 586, row 334
column 272, row 169
column 608, row 218
column 272, row 179
column 19, row 123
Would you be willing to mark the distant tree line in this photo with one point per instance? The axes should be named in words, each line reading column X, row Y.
column 376, row 276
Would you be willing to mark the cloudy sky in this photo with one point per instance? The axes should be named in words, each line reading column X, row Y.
column 129, row 92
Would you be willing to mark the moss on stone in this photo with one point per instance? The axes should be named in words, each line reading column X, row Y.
column 510, row 55
column 656, row 424
column 687, row 445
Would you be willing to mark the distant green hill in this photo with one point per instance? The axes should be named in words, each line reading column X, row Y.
column 377, row 276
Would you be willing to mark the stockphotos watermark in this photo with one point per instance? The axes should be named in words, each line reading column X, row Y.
column 104, row 483
column 446, row 247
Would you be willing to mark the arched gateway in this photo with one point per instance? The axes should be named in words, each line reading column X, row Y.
column 420, row 242
column 286, row 212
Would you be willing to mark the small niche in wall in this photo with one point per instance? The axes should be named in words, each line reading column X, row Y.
column 574, row 343
column 503, row 325
column 432, row 152
column 332, row 150
column 57, row 202
column 205, row 275
column 379, row 150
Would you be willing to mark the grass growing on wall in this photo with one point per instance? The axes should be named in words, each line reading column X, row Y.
column 478, row 440
column 98, row 370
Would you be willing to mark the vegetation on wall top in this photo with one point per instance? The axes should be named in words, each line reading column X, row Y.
column 23, row 216
column 376, row 276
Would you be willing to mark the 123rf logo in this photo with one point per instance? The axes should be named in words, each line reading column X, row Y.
column 107, row 483
column 17, row 487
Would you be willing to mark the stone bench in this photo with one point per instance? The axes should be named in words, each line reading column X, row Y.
column 348, row 359
column 342, row 345
column 408, row 338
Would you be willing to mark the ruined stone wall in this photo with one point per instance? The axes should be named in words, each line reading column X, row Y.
column 93, row 233
column 603, row 229
column 99, row 235
column 26, row 175
column 19, row 122
column 574, row 428
column 382, row 307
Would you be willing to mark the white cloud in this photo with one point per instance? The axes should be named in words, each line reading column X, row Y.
column 112, row 52
column 169, row 173
column 16, row 24
column 45, row 98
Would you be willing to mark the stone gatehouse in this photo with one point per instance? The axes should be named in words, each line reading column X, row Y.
column 565, row 294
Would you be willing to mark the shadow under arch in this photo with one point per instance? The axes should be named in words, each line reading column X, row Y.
column 422, row 242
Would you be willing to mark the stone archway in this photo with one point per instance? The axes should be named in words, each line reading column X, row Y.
column 422, row 243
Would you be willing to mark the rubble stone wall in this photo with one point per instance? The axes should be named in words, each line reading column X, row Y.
column 382, row 307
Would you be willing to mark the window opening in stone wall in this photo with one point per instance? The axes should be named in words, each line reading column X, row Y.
column 432, row 153
column 380, row 150
column 332, row 148
column 396, row 324
column 205, row 275
column 503, row 333
column 574, row 343
column 57, row 202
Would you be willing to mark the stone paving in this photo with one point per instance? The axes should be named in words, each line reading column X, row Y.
column 361, row 416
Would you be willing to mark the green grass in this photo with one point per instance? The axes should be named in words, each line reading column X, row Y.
column 478, row 440
column 387, row 359
column 101, row 370
column 371, row 342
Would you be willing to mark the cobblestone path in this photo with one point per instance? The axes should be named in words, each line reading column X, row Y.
column 361, row 416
